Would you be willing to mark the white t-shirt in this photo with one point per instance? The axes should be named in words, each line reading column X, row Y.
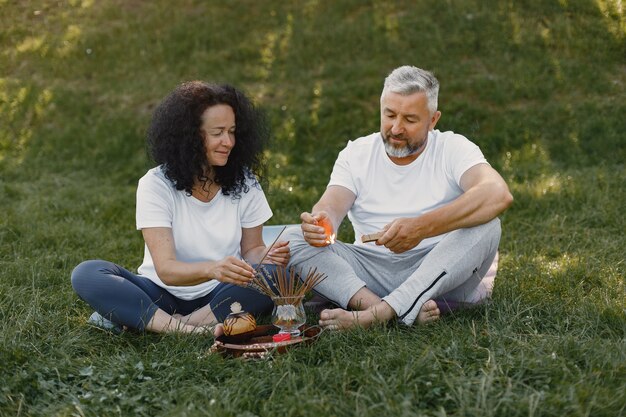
column 202, row 231
column 386, row 191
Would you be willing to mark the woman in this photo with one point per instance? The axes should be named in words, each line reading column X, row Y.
column 201, row 212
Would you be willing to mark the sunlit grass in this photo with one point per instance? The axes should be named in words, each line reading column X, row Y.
column 538, row 85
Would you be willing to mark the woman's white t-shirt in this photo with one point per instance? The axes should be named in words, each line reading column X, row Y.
column 386, row 191
column 202, row 231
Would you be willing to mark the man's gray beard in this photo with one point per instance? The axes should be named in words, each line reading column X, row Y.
column 403, row 152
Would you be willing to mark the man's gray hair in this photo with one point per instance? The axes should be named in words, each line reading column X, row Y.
column 407, row 80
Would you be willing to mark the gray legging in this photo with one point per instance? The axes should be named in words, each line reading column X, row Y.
column 131, row 300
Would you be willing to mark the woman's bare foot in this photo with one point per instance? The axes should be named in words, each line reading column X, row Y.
column 162, row 322
column 218, row 330
column 202, row 317
column 428, row 313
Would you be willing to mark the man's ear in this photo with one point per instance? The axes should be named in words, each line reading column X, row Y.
column 434, row 120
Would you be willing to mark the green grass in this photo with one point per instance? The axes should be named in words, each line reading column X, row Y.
column 539, row 85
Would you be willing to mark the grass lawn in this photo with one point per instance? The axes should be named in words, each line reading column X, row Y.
column 538, row 85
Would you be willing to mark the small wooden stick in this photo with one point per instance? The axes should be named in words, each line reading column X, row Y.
column 372, row 237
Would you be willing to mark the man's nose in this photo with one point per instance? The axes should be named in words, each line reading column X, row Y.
column 397, row 127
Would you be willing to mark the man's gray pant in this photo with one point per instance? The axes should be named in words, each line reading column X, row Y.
column 451, row 270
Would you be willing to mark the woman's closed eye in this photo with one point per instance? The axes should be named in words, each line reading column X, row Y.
column 219, row 132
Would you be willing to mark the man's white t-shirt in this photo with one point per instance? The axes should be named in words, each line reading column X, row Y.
column 202, row 231
column 386, row 191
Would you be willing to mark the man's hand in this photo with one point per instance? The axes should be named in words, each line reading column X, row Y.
column 401, row 235
column 316, row 228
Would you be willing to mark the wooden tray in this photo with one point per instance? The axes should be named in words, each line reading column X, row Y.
column 259, row 344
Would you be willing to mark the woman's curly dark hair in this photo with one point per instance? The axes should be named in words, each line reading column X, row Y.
column 175, row 138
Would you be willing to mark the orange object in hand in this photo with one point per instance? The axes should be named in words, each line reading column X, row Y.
column 328, row 231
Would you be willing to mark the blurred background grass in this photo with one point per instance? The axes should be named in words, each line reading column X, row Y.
column 538, row 85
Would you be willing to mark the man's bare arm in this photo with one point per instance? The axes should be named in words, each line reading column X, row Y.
column 485, row 196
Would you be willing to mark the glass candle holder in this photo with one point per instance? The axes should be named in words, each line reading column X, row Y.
column 288, row 314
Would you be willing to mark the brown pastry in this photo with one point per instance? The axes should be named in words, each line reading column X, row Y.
column 238, row 321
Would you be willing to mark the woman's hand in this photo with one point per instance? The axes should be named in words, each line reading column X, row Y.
column 231, row 270
column 279, row 254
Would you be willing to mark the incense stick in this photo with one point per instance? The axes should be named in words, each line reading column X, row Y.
column 286, row 282
column 269, row 248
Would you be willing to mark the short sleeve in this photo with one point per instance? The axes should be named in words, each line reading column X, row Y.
column 255, row 210
column 461, row 155
column 342, row 174
column 154, row 202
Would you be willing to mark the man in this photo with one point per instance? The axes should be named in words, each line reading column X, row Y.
column 431, row 196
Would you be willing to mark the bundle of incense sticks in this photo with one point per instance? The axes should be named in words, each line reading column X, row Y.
column 285, row 284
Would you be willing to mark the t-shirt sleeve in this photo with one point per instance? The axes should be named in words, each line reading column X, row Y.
column 154, row 203
column 342, row 174
column 461, row 155
column 255, row 208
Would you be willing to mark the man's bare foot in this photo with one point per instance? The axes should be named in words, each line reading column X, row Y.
column 340, row 319
column 428, row 313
